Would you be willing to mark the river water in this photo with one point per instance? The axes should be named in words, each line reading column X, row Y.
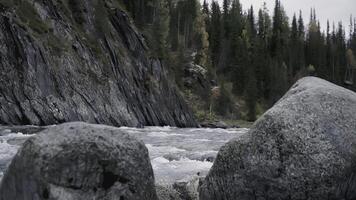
column 176, row 154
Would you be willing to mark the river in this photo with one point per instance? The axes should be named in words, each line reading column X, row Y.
column 177, row 154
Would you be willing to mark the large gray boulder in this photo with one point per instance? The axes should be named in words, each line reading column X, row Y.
column 78, row 161
column 302, row 148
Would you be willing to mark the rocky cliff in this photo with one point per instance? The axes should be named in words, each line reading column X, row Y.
column 81, row 60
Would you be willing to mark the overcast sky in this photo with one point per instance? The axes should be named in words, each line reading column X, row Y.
column 334, row 10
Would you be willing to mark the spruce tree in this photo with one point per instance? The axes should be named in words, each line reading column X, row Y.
column 206, row 15
column 226, row 20
column 215, row 33
column 293, row 50
column 160, row 29
column 201, row 37
column 252, row 63
column 301, row 45
column 263, row 71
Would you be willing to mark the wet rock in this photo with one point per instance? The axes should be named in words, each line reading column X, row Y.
column 78, row 161
column 81, row 62
column 195, row 75
column 26, row 130
column 196, row 80
column 302, row 148
column 216, row 124
column 180, row 190
column 167, row 193
column 188, row 190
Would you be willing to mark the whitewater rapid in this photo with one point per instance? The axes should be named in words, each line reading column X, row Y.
column 177, row 154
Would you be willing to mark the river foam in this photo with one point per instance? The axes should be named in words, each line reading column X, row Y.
column 177, row 154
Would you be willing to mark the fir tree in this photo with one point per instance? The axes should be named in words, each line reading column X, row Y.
column 215, row 33
column 160, row 29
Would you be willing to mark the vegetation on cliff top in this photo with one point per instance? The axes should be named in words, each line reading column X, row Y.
column 257, row 55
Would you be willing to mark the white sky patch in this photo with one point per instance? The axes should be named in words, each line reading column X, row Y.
column 334, row 10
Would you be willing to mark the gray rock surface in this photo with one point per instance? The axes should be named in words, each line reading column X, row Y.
column 302, row 148
column 215, row 124
column 179, row 190
column 63, row 61
column 188, row 190
column 27, row 130
column 167, row 193
column 78, row 161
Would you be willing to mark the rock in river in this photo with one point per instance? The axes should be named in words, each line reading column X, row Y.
column 302, row 148
column 78, row 161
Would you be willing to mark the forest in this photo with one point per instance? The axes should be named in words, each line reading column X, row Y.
column 252, row 56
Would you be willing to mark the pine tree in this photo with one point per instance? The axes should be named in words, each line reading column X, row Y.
column 352, row 42
column 329, row 54
column 251, row 99
column 340, row 54
column 279, row 53
column 215, row 33
column 301, row 45
column 251, row 28
column 252, row 41
column 262, row 68
column 238, row 50
column 226, row 22
column 293, row 50
column 160, row 29
column 201, row 38
column 206, row 15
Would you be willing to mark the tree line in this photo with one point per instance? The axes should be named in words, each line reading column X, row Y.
column 260, row 55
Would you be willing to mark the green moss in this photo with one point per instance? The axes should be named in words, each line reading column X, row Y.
column 7, row 3
column 29, row 16
column 119, row 4
column 56, row 44
column 77, row 9
column 239, row 123
column 101, row 17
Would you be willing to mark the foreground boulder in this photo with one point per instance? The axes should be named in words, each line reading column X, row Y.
column 77, row 161
column 302, row 148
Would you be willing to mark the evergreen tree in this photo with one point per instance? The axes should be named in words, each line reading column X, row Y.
column 329, row 54
column 340, row 54
column 251, row 28
column 226, row 22
column 251, row 99
column 251, row 90
column 215, row 33
column 293, row 49
column 201, row 38
column 301, row 45
column 206, row 15
column 352, row 43
column 279, row 53
column 160, row 29
column 261, row 58
column 238, row 50
column 262, row 67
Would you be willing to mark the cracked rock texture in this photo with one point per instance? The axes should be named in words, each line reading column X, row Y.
column 63, row 61
column 302, row 148
column 79, row 161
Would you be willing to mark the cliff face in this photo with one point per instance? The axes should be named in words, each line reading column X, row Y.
column 81, row 60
